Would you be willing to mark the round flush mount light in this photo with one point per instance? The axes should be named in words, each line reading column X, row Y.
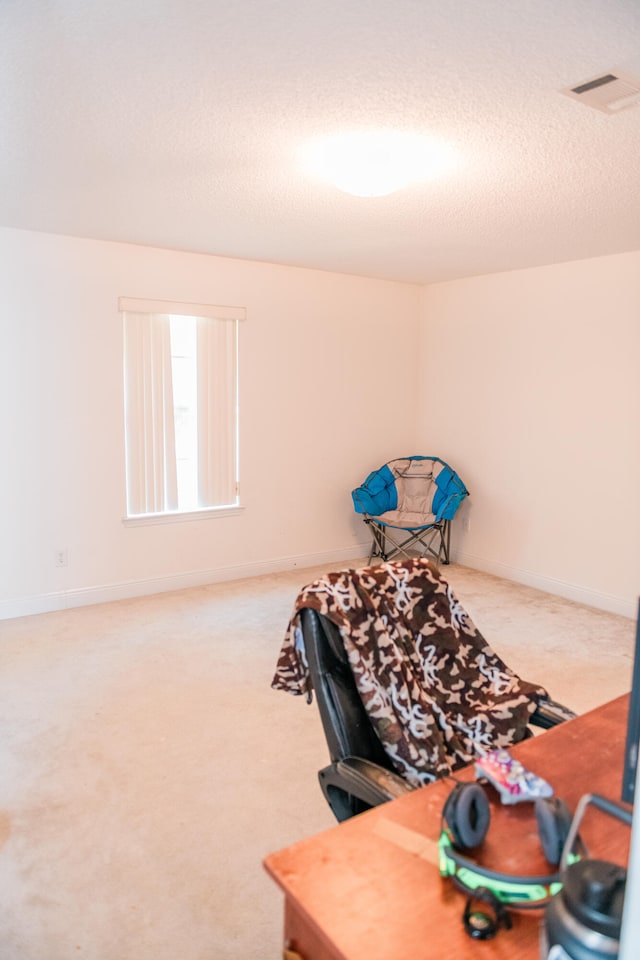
column 375, row 163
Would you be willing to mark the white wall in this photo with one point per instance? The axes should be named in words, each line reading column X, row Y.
column 527, row 382
column 531, row 388
column 314, row 419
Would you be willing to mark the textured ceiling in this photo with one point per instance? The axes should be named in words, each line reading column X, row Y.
column 176, row 123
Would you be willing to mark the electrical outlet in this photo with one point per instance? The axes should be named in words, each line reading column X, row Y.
column 61, row 557
column 466, row 524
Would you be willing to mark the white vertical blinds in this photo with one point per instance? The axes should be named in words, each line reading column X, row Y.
column 152, row 485
column 150, row 435
column 217, row 390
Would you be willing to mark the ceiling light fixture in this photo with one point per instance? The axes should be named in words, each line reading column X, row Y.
column 375, row 163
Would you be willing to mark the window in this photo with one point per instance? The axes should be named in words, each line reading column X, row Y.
column 181, row 407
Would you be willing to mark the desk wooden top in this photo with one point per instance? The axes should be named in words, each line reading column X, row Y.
column 366, row 897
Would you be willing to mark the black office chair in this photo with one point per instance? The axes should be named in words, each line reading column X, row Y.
column 361, row 773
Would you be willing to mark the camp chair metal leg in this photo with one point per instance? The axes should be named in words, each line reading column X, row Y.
column 401, row 546
column 445, row 535
column 378, row 541
column 374, row 541
column 441, row 547
column 386, row 542
column 425, row 543
column 429, row 547
column 444, row 544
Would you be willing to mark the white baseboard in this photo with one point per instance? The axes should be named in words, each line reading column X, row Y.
column 560, row 588
column 105, row 593
column 126, row 590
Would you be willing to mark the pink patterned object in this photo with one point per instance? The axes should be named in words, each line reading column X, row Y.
column 514, row 782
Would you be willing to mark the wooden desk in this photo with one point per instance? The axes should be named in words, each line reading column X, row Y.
column 351, row 893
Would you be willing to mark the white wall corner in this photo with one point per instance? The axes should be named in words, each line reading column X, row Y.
column 559, row 588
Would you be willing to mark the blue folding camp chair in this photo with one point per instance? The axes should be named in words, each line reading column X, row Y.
column 408, row 505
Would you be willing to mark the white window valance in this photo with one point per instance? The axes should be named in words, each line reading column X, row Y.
column 177, row 309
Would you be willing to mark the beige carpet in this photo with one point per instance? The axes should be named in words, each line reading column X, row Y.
column 147, row 767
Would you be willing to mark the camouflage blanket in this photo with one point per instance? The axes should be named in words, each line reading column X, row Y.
column 435, row 692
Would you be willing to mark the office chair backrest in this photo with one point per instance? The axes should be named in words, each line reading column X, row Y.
column 383, row 647
column 347, row 727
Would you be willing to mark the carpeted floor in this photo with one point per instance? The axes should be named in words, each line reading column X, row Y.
column 147, row 767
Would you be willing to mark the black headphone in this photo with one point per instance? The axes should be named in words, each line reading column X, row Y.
column 466, row 819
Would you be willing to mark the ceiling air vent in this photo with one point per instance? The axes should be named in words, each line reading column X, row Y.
column 609, row 92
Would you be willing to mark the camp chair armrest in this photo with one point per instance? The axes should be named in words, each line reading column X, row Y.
column 549, row 714
column 363, row 779
column 450, row 506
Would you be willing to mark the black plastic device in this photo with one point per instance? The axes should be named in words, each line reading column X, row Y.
column 633, row 726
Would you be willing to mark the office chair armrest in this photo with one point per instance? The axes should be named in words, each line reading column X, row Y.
column 366, row 781
column 380, row 783
column 549, row 714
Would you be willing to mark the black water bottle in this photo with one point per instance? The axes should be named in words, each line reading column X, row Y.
column 582, row 921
